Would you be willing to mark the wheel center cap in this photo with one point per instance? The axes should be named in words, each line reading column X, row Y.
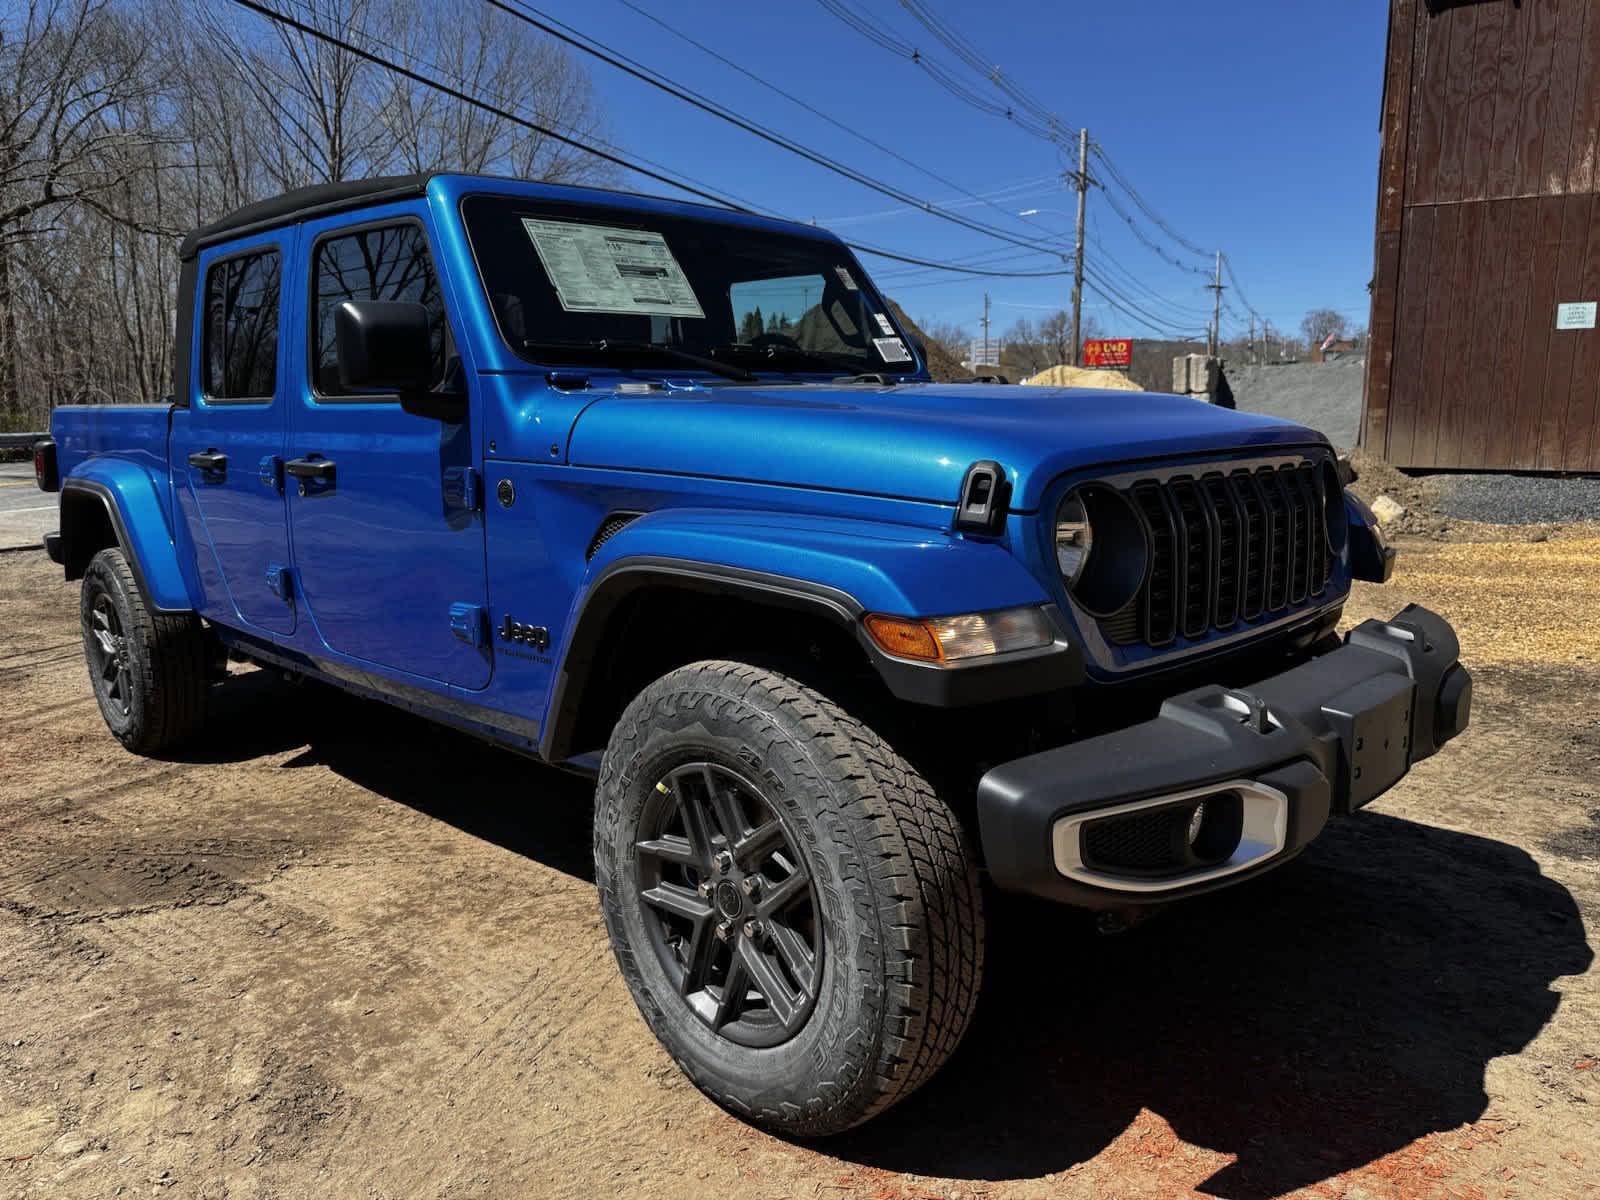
column 729, row 901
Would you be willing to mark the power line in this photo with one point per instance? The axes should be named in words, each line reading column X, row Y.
column 811, row 108
column 1144, row 206
column 936, row 71
column 660, row 176
column 593, row 47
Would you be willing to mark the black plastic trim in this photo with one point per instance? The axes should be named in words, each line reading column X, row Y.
column 103, row 494
column 1330, row 734
column 1024, row 673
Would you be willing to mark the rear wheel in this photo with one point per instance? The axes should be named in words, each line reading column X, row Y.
column 796, row 913
column 148, row 669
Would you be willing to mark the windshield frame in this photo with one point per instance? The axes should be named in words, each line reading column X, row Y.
column 554, row 208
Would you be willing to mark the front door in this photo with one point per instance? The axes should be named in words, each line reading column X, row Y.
column 388, row 539
column 227, row 442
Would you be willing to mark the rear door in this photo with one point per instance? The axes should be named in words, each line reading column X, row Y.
column 226, row 447
column 388, row 539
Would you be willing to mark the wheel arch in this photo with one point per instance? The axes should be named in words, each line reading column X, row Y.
column 626, row 632
column 109, row 507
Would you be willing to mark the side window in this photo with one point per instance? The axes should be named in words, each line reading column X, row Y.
column 240, row 350
column 388, row 262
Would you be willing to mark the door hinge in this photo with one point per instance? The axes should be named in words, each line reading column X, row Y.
column 461, row 488
column 467, row 623
column 280, row 580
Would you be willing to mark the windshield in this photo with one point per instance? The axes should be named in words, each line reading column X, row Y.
column 595, row 285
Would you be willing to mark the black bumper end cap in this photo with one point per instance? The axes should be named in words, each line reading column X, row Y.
column 53, row 548
column 1331, row 734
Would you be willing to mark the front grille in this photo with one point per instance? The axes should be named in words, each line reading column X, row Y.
column 1224, row 548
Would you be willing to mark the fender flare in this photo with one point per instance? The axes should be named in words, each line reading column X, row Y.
column 139, row 525
column 1049, row 668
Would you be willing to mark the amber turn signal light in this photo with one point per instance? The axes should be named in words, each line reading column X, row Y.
column 904, row 638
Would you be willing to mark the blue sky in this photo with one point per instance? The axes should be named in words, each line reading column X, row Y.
column 1251, row 126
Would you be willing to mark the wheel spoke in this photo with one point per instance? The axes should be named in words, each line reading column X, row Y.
column 752, row 849
column 695, row 824
column 786, row 893
column 725, row 805
column 795, row 953
column 769, row 982
column 670, row 847
column 679, row 901
column 699, row 953
column 108, row 669
column 731, row 1003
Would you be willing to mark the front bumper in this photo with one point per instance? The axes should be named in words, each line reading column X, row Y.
column 1271, row 763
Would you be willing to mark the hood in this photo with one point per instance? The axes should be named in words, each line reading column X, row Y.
column 912, row 441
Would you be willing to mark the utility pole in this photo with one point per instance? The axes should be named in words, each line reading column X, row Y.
column 985, row 324
column 1082, row 184
column 1252, row 354
column 1216, row 310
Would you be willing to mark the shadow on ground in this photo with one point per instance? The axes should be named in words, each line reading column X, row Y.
column 1307, row 1023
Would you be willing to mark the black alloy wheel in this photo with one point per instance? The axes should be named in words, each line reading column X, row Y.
column 107, row 645
column 730, row 906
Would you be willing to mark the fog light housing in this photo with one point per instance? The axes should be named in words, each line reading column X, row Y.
column 948, row 640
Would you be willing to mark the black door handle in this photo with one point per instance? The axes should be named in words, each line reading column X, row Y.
column 209, row 461
column 315, row 473
column 320, row 469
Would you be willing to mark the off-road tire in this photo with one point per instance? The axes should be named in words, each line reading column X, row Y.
column 895, row 885
column 159, row 697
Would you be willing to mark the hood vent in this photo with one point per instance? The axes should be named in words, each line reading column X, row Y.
column 614, row 524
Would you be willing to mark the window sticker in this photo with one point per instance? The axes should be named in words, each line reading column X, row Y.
column 892, row 349
column 600, row 269
column 846, row 278
column 883, row 324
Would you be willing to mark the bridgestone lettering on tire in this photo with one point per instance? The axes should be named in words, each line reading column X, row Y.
column 873, row 898
column 148, row 669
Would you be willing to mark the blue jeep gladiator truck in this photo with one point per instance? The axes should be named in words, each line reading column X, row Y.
column 664, row 493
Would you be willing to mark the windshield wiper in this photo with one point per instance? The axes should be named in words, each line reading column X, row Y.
column 608, row 348
column 834, row 362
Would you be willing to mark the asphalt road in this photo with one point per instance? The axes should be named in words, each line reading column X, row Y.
column 26, row 513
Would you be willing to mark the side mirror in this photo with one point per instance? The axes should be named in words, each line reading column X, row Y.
column 386, row 346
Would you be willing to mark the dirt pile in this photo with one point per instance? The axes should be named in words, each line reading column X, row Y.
column 1082, row 377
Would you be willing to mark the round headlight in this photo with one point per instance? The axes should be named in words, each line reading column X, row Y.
column 1074, row 538
column 1101, row 548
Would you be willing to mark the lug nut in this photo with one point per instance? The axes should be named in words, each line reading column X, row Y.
column 705, row 888
column 751, row 884
column 725, row 930
column 753, row 929
column 723, row 862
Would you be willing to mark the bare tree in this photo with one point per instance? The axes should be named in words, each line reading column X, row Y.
column 123, row 123
column 1319, row 323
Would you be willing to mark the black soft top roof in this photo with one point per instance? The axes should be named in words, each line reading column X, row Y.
column 315, row 201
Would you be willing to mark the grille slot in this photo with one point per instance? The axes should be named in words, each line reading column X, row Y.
column 614, row 524
column 1225, row 548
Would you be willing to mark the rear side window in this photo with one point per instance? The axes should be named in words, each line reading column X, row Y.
column 241, row 328
column 386, row 262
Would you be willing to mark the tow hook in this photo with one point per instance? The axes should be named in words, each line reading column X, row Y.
column 1114, row 921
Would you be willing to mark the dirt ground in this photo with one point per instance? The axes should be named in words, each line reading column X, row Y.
column 337, row 952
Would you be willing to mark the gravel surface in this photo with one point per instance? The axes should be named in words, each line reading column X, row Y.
column 1517, row 499
column 1325, row 396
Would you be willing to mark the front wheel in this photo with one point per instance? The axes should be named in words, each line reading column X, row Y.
column 795, row 912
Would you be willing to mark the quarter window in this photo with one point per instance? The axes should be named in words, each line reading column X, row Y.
column 241, row 328
column 388, row 262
